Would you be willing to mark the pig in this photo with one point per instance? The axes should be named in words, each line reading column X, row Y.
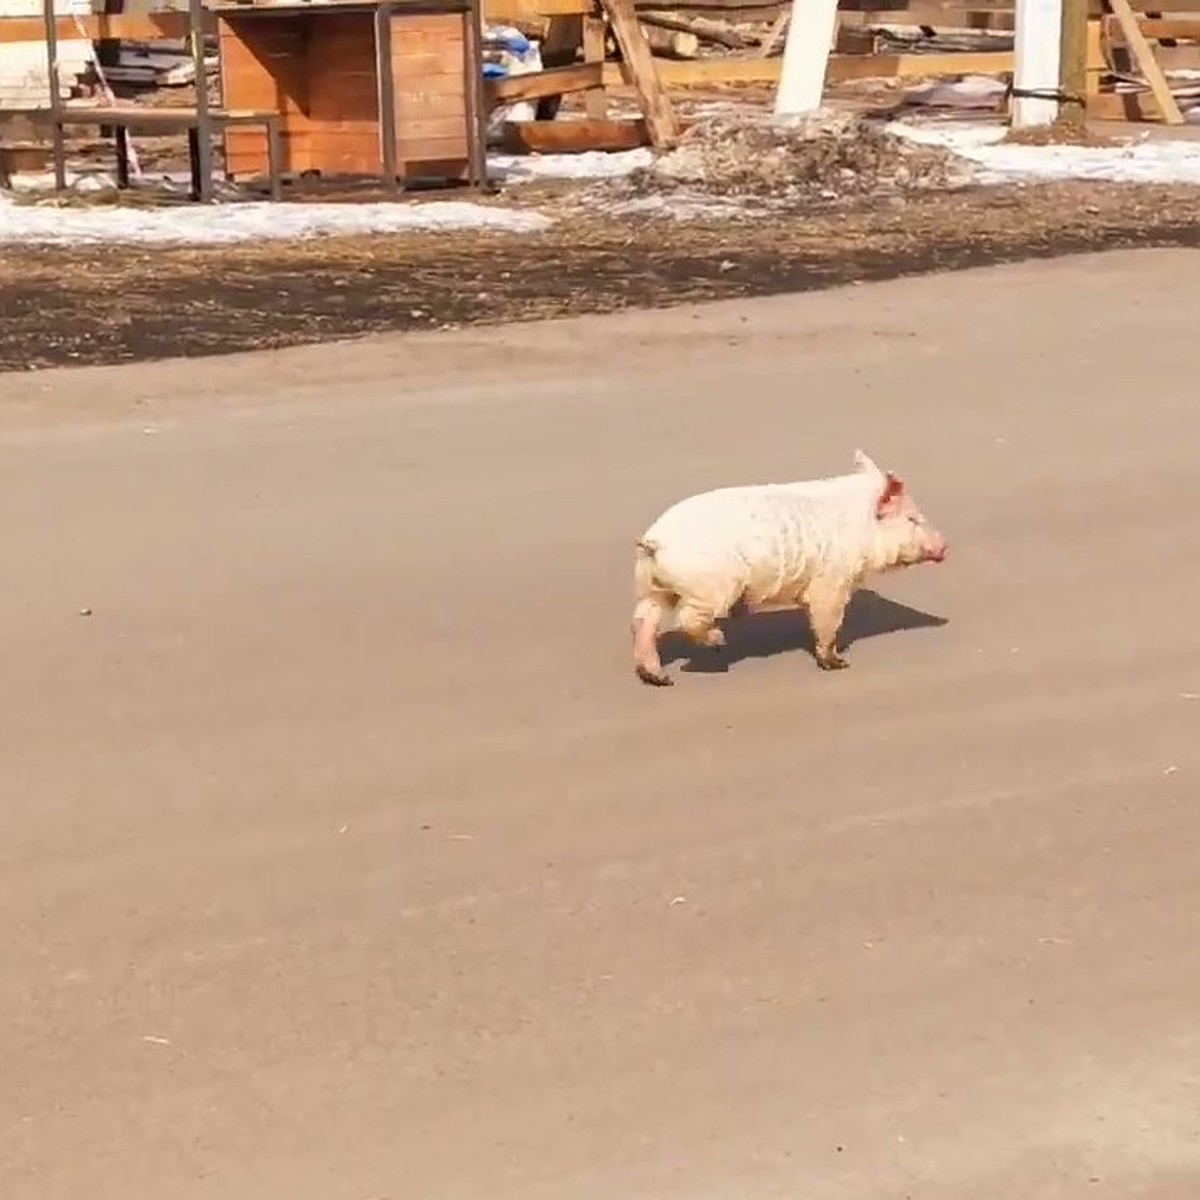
column 810, row 544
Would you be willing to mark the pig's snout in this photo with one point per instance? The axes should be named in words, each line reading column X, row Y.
column 936, row 548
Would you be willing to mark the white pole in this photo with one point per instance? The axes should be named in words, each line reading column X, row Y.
column 805, row 57
column 1035, row 65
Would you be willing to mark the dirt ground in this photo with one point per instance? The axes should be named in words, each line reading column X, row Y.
column 108, row 305
column 345, row 859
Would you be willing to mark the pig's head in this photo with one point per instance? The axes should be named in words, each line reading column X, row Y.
column 902, row 535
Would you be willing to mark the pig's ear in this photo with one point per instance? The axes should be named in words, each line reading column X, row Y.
column 864, row 463
column 889, row 496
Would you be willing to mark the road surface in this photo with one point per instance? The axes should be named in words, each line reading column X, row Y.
column 345, row 859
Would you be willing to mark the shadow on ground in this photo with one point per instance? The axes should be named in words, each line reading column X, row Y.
column 767, row 634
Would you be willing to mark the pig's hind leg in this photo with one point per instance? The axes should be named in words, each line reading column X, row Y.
column 648, row 619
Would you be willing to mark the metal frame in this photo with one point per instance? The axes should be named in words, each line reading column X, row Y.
column 50, row 20
column 200, row 136
column 386, row 84
column 477, row 112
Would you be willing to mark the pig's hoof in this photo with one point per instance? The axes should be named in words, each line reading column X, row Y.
column 832, row 662
column 654, row 678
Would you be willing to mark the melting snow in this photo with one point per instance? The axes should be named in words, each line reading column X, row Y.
column 1145, row 160
column 251, row 221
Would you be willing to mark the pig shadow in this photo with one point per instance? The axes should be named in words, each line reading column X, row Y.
column 764, row 635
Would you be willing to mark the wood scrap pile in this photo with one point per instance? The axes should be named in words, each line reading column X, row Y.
column 152, row 65
column 827, row 158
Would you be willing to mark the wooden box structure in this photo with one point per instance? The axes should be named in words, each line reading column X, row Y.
column 387, row 89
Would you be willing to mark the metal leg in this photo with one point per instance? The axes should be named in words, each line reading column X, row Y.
column 50, row 21
column 60, row 157
column 121, row 136
column 194, row 161
column 477, row 115
column 274, row 157
column 202, row 147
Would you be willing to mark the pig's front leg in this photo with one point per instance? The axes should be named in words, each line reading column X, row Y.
column 826, row 603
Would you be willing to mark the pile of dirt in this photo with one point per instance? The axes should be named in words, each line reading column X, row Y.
column 822, row 158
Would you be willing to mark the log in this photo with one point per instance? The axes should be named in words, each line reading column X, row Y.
column 707, row 29
column 573, row 137
column 666, row 43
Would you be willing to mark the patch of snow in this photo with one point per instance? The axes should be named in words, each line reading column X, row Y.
column 680, row 206
column 1141, row 161
column 222, row 224
column 591, row 164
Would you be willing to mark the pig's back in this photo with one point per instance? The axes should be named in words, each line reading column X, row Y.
column 757, row 539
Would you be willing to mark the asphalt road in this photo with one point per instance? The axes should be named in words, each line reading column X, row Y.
column 344, row 858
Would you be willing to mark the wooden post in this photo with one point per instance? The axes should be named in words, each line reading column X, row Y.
column 641, row 73
column 806, row 57
column 595, row 100
column 1072, row 64
column 1036, row 49
column 203, row 123
column 60, row 152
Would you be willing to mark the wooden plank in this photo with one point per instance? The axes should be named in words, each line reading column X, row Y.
column 842, row 69
column 1141, row 51
column 143, row 27
column 506, row 12
column 445, row 60
column 1184, row 29
column 556, row 81
column 574, row 137
column 433, row 150
column 640, row 69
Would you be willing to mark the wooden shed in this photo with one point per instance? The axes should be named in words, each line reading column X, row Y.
column 391, row 90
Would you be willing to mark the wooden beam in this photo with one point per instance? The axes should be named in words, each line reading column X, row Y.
column 641, row 72
column 554, row 81
column 1141, row 51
